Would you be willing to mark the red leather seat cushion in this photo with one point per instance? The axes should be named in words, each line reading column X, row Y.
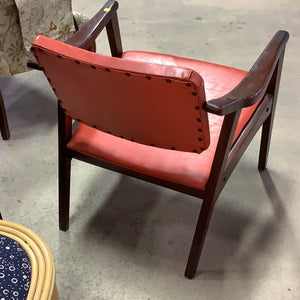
column 190, row 169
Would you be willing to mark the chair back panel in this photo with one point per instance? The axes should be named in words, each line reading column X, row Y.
column 151, row 104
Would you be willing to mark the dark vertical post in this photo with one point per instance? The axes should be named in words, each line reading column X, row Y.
column 214, row 186
column 114, row 37
column 64, row 168
column 268, row 124
column 3, row 120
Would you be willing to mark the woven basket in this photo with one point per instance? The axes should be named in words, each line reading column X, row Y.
column 42, row 284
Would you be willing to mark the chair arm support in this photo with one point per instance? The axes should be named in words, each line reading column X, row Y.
column 33, row 64
column 255, row 83
column 87, row 34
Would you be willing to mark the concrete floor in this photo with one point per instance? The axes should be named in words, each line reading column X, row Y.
column 129, row 239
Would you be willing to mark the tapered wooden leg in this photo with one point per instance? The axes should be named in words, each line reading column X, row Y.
column 55, row 293
column 199, row 237
column 64, row 192
column 64, row 168
column 268, row 124
column 3, row 120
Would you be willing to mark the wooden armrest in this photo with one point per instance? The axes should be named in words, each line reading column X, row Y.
column 33, row 64
column 87, row 34
column 255, row 83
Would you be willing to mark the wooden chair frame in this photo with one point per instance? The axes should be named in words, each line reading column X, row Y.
column 261, row 82
column 3, row 120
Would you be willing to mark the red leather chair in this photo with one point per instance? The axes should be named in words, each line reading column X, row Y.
column 176, row 122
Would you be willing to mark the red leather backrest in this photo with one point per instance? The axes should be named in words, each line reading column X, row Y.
column 147, row 103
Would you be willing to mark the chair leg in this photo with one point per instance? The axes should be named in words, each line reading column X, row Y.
column 268, row 124
column 3, row 120
column 64, row 191
column 265, row 143
column 199, row 237
column 55, row 295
